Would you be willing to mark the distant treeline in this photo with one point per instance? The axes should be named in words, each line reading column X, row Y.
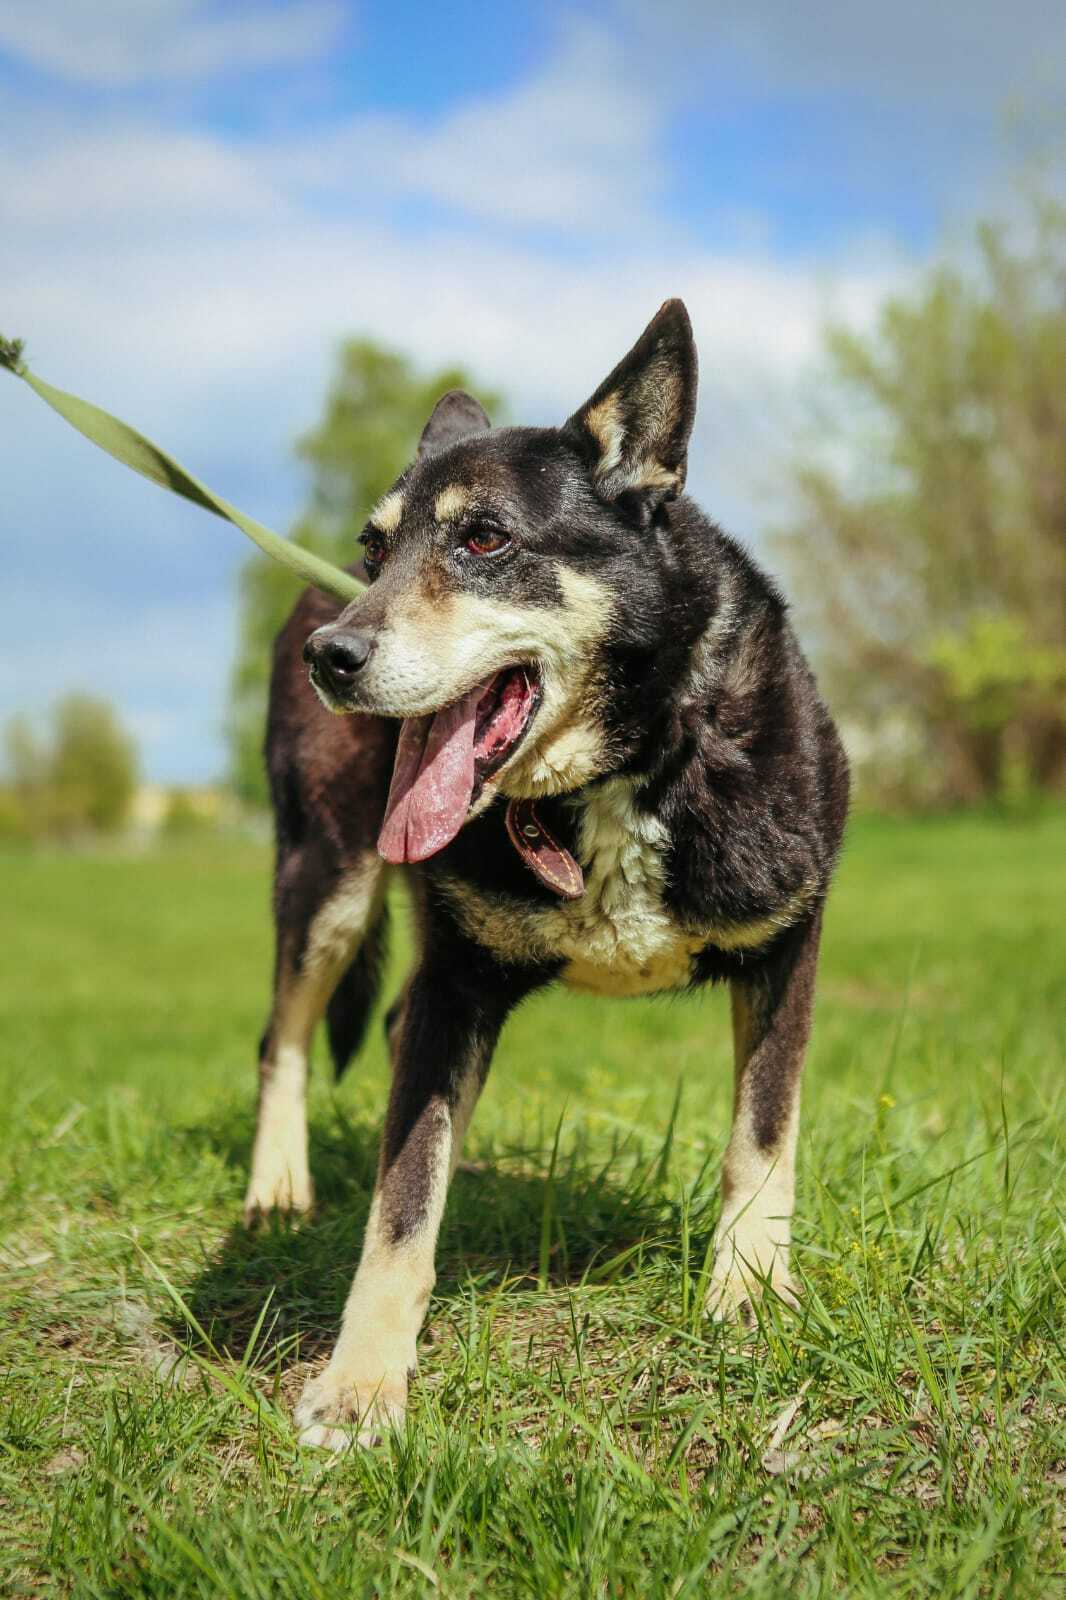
column 73, row 776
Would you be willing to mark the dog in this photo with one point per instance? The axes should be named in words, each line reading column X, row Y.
column 583, row 724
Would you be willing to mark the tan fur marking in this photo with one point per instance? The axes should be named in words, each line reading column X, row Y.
column 672, row 970
column 434, row 651
column 740, row 675
column 365, row 1382
column 467, row 1099
column 750, row 935
column 565, row 759
column 658, row 402
column 708, row 656
column 754, row 1233
column 588, row 603
column 645, row 474
column 386, row 515
column 451, row 502
column 567, row 748
column 340, row 921
column 280, row 1178
column 604, row 422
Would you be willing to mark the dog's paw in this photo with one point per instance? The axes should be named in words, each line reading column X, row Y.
column 279, row 1194
column 336, row 1411
column 738, row 1280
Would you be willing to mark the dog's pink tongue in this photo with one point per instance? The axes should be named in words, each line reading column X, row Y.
column 432, row 782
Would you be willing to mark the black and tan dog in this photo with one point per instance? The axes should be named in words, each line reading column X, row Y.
column 589, row 730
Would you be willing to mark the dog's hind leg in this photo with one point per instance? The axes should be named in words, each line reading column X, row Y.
column 771, row 1026
column 444, row 1037
column 329, row 940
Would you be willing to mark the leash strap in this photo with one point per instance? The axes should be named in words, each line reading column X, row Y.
column 550, row 861
column 140, row 454
column 545, row 857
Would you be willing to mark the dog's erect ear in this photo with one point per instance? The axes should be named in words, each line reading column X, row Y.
column 455, row 416
column 634, row 432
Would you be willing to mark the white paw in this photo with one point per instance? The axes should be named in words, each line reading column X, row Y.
column 744, row 1269
column 282, row 1192
column 336, row 1411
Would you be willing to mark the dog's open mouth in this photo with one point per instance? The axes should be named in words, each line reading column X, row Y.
column 442, row 760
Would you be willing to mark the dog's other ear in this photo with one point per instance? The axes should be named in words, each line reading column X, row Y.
column 455, row 416
column 634, row 432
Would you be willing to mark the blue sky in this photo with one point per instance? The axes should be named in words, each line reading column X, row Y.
column 197, row 200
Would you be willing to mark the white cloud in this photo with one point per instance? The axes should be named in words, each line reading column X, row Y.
column 575, row 147
column 253, row 315
column 134, row 174
column 957, row 56
column 115, row 44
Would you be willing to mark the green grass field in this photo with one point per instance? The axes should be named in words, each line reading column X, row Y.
column 577, row 1428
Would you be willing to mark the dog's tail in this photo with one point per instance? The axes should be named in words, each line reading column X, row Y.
column 353, row 999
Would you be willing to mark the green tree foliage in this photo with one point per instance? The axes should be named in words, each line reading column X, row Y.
column 375, row 409
column 79, row 779
column 929, row 548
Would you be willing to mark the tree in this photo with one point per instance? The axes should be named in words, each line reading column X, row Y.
column 26, row 758
column 929, row 544
column 20, row 799
column 93, row 767
column 80, row 780
column 375, row 410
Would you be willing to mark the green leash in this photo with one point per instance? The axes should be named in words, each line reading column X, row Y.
column 134, row 450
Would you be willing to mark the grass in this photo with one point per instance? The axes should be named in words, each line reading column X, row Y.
column 577, row 1428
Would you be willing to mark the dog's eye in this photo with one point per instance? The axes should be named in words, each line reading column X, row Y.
column 486, row 542
column 373, row 552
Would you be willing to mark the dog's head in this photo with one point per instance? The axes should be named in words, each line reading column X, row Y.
column 504, row 564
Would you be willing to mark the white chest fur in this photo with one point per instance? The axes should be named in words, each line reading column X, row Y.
column 618, row 938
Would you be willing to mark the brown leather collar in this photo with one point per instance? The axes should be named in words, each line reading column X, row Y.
column 543, row 855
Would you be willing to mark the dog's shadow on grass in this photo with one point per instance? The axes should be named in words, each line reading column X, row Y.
column 511, row 1216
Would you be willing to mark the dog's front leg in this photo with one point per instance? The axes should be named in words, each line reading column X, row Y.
column 443, row 1045
column 771, row 1026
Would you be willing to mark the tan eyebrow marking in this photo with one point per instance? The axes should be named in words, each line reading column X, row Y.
column 386, row 515
column 451, row 502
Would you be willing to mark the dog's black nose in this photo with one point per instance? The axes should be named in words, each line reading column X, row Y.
column 338, row 656
column 346, row 654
